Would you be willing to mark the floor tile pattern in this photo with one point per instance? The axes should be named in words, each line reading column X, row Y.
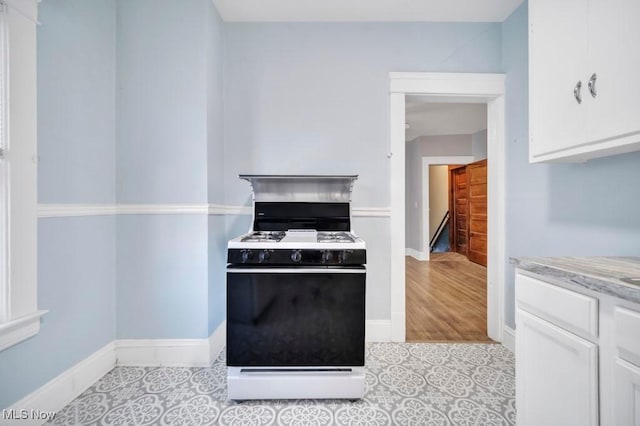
column 407, row 384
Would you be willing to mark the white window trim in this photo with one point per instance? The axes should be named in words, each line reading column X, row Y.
column 4, row 207
column 19, row 315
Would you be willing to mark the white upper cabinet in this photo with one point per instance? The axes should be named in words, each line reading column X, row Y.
column 614, row 56
column 584, row 79
column 557, row 53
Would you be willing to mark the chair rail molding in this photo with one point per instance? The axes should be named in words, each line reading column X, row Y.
column 77, row 210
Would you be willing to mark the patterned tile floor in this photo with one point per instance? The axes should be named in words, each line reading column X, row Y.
column 407, row 384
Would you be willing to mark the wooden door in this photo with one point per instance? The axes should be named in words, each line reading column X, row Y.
column 477, row 245
column 459, row 209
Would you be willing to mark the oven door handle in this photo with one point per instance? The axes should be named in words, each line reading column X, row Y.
column 296, row 271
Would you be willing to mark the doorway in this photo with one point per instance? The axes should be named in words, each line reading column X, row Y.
column 439, row 87
column 446, row 290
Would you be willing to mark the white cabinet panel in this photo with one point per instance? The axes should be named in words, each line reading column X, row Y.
column 557, row 52
column 614, row 56
column 627, row 394
column 556, row 375
column 627, row 337
column 570, row 310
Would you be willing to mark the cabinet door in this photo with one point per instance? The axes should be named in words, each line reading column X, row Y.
column 614, row 56
column 627, row 394
column 556, row 375
column 557, row 58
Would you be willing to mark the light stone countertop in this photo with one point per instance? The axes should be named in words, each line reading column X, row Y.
column 599, row 274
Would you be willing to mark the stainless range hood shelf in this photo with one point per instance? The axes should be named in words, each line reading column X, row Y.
column 301, row 188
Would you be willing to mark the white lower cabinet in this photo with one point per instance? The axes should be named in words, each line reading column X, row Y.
column 577, row 356
column 627, row 394
column 626, row 401
column 556, row 375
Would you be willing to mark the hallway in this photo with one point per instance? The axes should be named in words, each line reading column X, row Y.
column 446, row 299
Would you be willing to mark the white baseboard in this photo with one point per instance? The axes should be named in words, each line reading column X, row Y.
column 60, row 391
column 171, row 352
column 63, row 389
column 509, row 338
column 165, row 352
column 377, row 331
column 418, row 255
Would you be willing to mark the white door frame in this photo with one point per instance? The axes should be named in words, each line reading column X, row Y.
column 450, row 87
column 424, row 183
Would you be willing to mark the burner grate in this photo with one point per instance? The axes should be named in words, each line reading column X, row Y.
column 335, row 237
column 263, row 236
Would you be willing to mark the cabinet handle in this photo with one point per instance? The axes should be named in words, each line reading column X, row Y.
column 576, row 92
column 592, row 85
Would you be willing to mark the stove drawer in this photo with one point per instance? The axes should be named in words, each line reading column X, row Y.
column 279, row 317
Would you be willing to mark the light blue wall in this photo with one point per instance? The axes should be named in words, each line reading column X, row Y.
column 217, row 272
column 76, row 285
column 76, row 256
column 76, row 101
column 311, row 98
column 314, row 98
column 479, row 145
column 217, row 237
column 169, row 150
column 159, row 66
column 560, row 209
column 214, row 50
column 161, row 277
column 161, row 154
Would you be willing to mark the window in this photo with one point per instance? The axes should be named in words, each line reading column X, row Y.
column 19, row 315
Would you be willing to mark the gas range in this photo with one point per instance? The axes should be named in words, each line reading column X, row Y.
column 296, row 285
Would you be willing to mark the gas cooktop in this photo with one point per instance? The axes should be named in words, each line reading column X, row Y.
column 307, row 236
column 304, row 246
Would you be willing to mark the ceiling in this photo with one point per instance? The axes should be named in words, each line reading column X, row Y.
column 435, row 119
column 365, row 10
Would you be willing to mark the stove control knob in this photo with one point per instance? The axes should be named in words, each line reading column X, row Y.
column 296, row 256
column 344, row 255
column 263, row 256
column 327, row 256
column 247, row 255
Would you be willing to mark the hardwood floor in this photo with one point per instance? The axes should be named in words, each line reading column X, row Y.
column 446, row 299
